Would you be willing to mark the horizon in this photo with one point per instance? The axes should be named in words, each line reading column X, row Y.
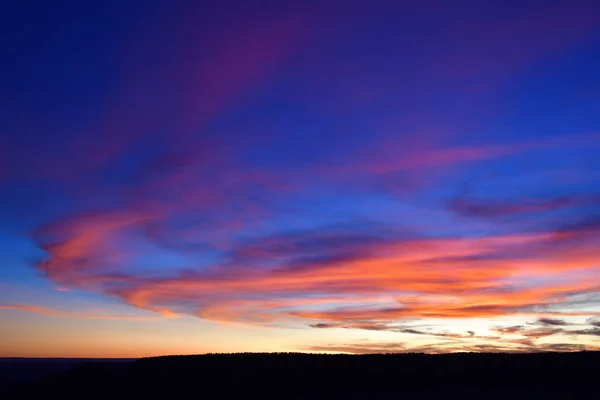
column 227, row 177
column 303, row 353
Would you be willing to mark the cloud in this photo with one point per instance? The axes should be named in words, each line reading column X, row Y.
column 360, row 348
column 589, row 226
column 441, row 348
column 424, row 155
column 379, row 326
column 81, row 248
column 595, row 331
column 552, row 322
column 327, row 245
column 493, row 208
column 539, row 333
column 324, row 326
column 509, row 329
column 550, row 329
column 567, row 347
column 469, row 334
column 594, row 322
column 532, row 333
column 330, row 276
column 80, row 315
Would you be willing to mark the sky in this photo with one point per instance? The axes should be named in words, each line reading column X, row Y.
column 232, row 176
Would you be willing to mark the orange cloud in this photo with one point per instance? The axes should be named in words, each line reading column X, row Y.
column 83, row 315
column 394, row 279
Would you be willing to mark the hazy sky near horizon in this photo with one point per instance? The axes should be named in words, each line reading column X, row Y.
column 368, row 176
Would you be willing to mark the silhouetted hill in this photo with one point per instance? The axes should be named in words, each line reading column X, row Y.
column 311, row 376
column 19, row 370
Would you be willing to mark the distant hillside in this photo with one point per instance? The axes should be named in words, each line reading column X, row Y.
column 306, row 376
column 20, row 370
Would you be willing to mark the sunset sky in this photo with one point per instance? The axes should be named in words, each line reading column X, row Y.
column 185, row 177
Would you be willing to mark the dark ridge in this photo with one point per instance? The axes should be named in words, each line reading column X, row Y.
column 22, row 370
column 319, row 376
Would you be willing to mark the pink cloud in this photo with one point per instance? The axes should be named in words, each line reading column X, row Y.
column 394, row 277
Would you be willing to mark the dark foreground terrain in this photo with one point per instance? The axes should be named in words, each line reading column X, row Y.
column 23, row 370
column 304, row 376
